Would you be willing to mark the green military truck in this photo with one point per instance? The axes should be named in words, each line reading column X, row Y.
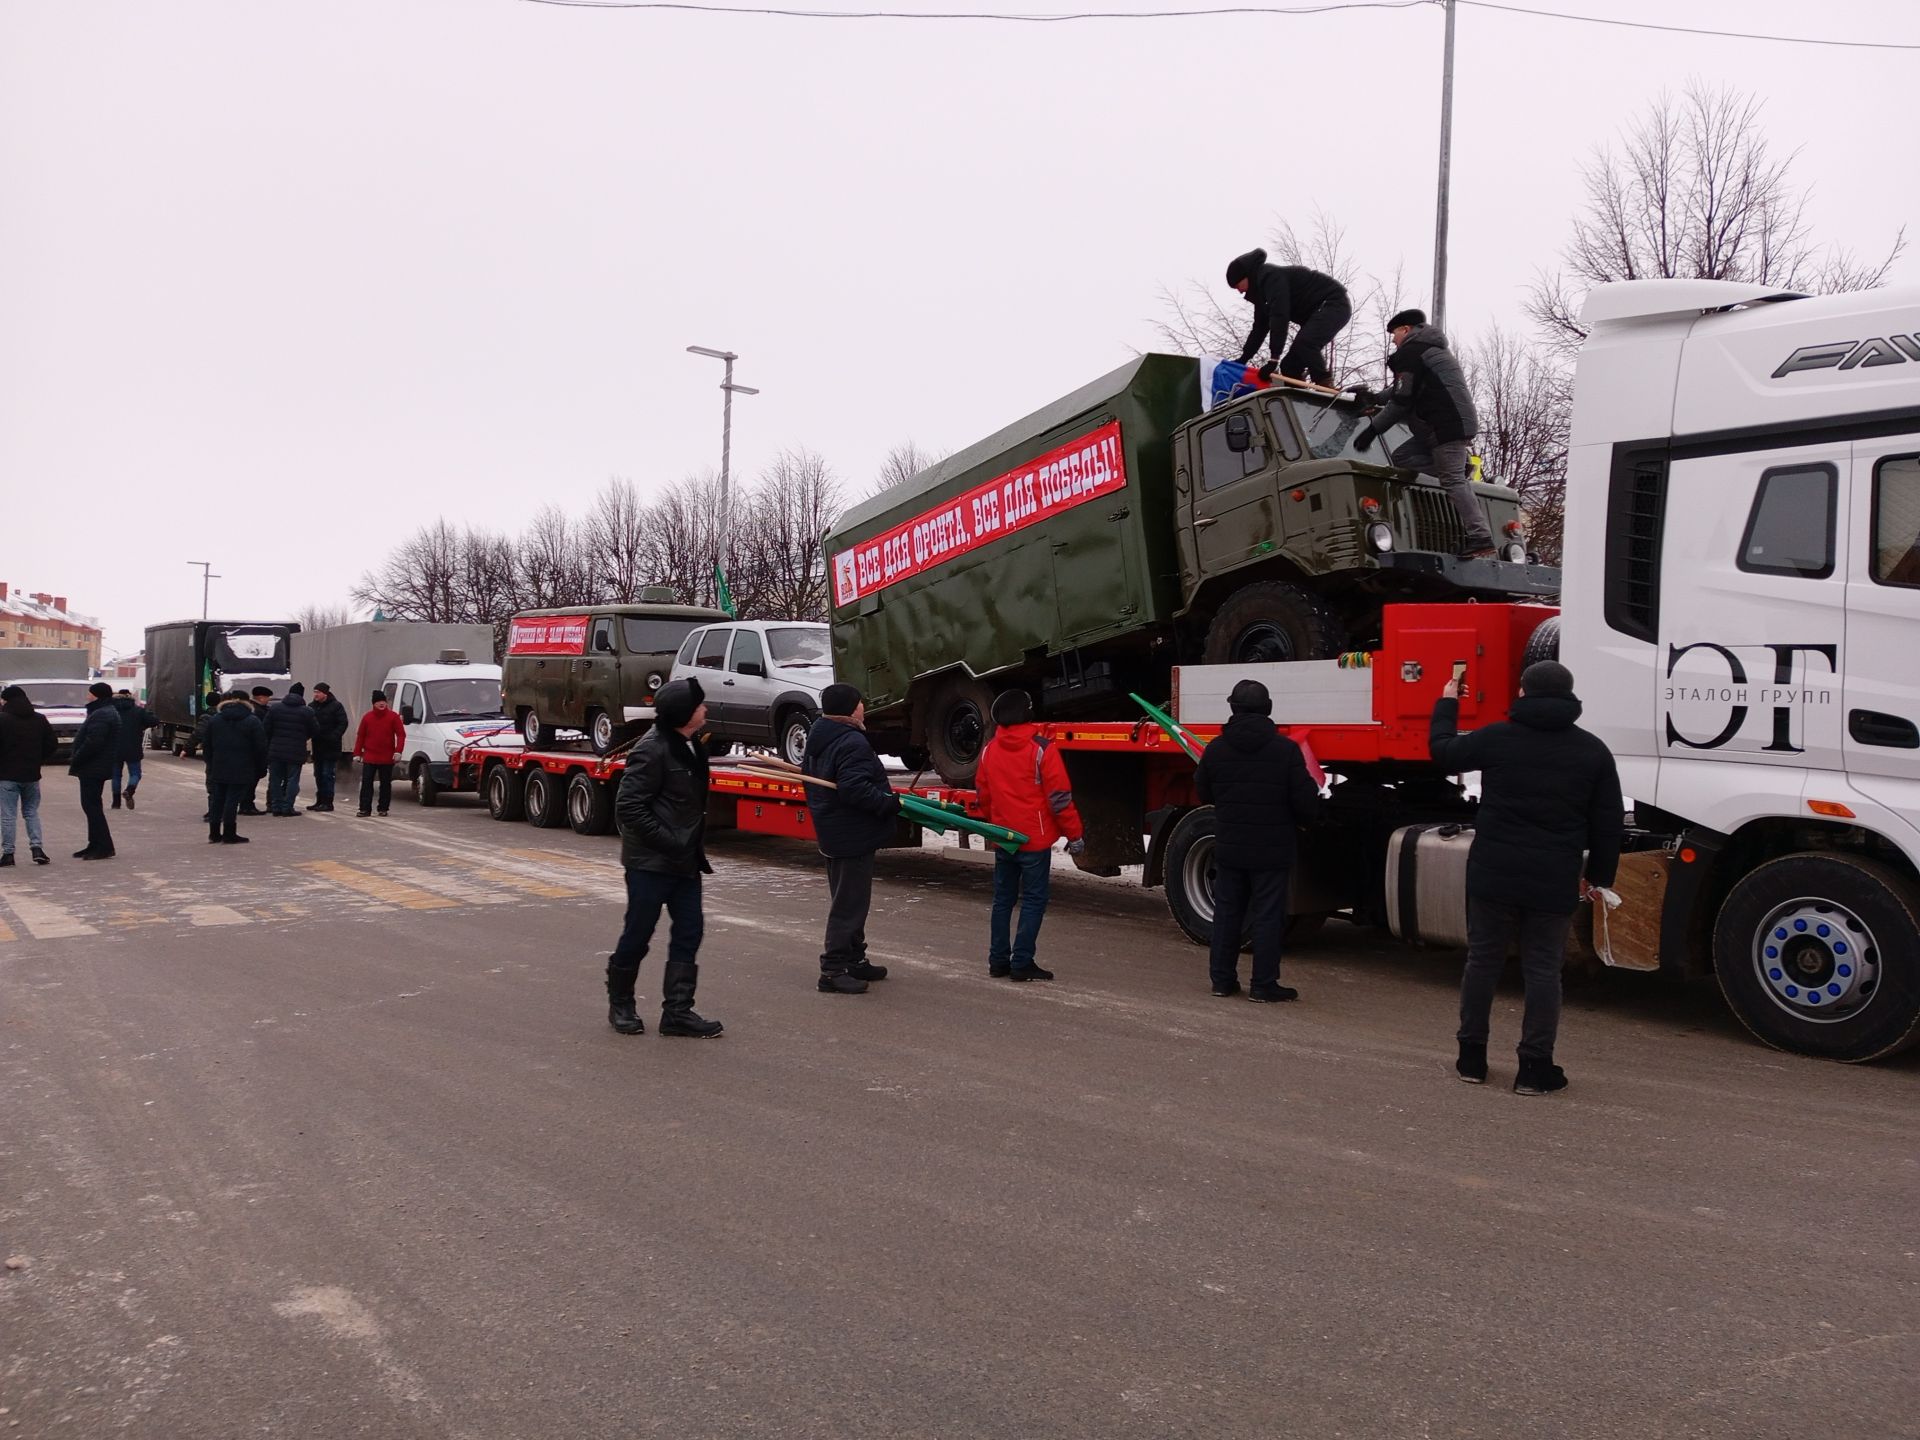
column 1082, row 552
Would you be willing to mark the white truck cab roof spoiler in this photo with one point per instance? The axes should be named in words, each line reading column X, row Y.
column 1624, row 301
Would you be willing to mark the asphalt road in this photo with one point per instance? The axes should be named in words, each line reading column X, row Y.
column 327, row 1136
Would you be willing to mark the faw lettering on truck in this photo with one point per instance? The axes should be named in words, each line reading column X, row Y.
column 548, row 635
column 1082, row 470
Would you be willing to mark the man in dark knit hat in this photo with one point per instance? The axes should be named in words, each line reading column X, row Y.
column 1256, row 780
column 1290, row 294
column 329, row 733
column 661, row 809
column 1549, row 795
column 96, row 748
column 1022, row 784
column 851, row 822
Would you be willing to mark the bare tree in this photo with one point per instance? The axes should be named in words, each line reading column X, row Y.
column 323, row 617
column 614, row 538
column 781, row 549
column 1695, row 191
column 1524, row 401
column 682, row 528
column 903, row 462
column 552, row 566
column 419, row 578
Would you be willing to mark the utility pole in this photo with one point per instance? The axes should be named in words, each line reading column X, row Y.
column 207, row 577
column 729, row 389
column 1446, row 167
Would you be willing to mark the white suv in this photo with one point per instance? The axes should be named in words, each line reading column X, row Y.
column 762, row 680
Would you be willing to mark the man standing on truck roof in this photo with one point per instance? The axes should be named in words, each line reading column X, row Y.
column 1256, row 780
column 1290, row 294
column 380, row 740
column 1549, row 794
column 330, row 728
column 1430, row 394
column 851, row 820
column 661, row 809
column 1022, row 784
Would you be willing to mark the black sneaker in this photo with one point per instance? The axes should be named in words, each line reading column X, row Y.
column 251, row 810
column 116, row 802
column 6, row 860
column 1272, row 994
column 320, row 805
column 97, row 854
column 40, row 856
column 997, row 972
column 83, row 854
column 841, row 983
column 1539, row 1077
column 361, row 814
column 383, row 812
column 1471, row 1067
column 1029, row 972
column 864, row 971
column 235, row 840
column 1226, row 988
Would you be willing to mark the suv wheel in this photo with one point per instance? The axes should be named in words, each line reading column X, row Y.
column 791, row 732
column 1272, row 621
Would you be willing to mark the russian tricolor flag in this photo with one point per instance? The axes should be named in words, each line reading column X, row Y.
column 1224, row 380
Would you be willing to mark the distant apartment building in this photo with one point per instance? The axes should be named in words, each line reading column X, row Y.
column 43, row 622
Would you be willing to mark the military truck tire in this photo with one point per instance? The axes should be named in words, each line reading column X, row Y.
column 537, row 735
column 426, row 790
column 506, row 793
column 589, row 805
column 545, row 800
column 790, row 730
column 1543, row 644
column 1272, row 621
column 957, row 721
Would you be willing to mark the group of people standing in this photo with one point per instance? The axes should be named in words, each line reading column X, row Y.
column 106, row 750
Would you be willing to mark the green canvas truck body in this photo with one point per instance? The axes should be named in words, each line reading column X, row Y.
column 1083, row 551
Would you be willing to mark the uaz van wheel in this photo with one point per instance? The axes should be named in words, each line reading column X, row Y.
column 602, row 732
column 506, row 793
column 545, row 800
column 1272, row 621
column 792, row 730
column 589, row 805
column 1820, row 953
column 537, row 735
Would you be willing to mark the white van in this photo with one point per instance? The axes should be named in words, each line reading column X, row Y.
column 443, row 708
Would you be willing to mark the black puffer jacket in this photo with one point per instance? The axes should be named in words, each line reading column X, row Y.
column 661, row 806
column 1429, row 386
column 290, row 725
column 1283, row 295
column 1257, row 782
column 135, row 721
column 97, row 745
column 1548, row 791
column 234, row 745
column 26, row 742
column 329, row 728
column 856, row 818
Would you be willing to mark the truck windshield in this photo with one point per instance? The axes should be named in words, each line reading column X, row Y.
column 1331, row 427
column 799, row 645
column 248, row 652
column 474, row 699
column 47, row 693
column 654, row 637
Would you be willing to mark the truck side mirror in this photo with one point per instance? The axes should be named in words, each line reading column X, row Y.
column 1239, row 433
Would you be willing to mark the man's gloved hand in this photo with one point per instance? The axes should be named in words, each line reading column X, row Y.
column 1076, row 847
column 1265, row 372
column 1363, row 440
column 1362, row 394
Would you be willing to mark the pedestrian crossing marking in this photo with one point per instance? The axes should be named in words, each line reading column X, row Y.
column 216, row 915
column 449, row 886
column 377, row 887
column 6, row 932
column 45, row 920
column 569, row 862
column 511, row 881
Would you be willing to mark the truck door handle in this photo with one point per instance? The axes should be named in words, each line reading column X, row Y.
column 726, row 682
column 1206, row 520
column 1870, row 727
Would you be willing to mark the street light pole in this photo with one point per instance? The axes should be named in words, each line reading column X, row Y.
column 207, row 577
column 1446, row 175
column 729, row 389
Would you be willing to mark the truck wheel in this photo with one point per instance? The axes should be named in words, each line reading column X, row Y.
column 546, row 804
column 603, row 732
column 957, row 722
column 426, row 790
column 537, row 735
column 589, row 805
column 1820, row 954
column 1543, row 644
column 1272, row 621
column 157, row 738
column 791, row 731
column 1190, row 884
column 506, row 793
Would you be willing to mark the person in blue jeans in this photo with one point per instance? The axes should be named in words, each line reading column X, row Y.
column 1022, row 784
column 290, row 726
column 135, row 721
column 26, row 743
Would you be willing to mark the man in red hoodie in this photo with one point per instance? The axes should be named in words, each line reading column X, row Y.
column 380, row 740
column 1022, row 784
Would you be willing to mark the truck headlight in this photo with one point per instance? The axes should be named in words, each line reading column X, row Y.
column 1380, row 537
column 1515, row 552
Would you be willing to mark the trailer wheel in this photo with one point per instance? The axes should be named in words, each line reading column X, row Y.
column 589, row 805
column 1820, row 954
column 958, row 716
column 791, row 731
column 1189, row 872
column 506, row 793
column 537, row 735
column 1272, row 621
column 1543, row 644
column 545, row 800
column 426, row 790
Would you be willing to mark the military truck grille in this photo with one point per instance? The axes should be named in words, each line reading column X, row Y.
column 1436, row 524
column 1342, row 551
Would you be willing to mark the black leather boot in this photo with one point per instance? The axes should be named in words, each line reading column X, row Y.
column 620, row 1012
column 1472, row 1064
column 1538, row 1077
column 676, row 1003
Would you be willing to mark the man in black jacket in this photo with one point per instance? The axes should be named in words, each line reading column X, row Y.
column 234, row 745
column 96, row 750
column 1548, row 792
column 1257, row 782
column 661, row 809
column 262, row 702
column 1290, row 294
column 135, row 721
column 26, row 743
column 290, row 726
column 851, row 821
column 329, row 729
column 1430, row 394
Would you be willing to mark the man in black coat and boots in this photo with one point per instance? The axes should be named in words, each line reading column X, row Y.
column 262, row 703
column 1290, row 294
column 851, row 822
column 96, row 750
column 234, row 746
column 329, row 730
column 1549, row 791
column 661, row 809
column 290, row 727
column 1257, row 782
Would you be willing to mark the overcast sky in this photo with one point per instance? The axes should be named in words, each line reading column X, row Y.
column 281, row 281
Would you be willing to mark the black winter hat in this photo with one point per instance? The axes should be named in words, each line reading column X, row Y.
column 1415, row 318
column 1243, row 266
column 675, row 702
column 1250, row 697
column 100, row 690
column 259, row 690
column 1547, row 677
column 296, row 688
column 379, row 695
column 839, row 699
column 13, row 692
column 322, row 688
column 1012, row 707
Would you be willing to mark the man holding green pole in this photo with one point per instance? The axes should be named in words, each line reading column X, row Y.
column 851, row 821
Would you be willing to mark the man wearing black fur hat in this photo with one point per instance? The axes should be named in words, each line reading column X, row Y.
column 661, row 809
column 1549, row 794
column 1290, row 294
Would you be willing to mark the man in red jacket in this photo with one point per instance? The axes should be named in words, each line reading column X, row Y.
column 1022, row 784
column 380, row 740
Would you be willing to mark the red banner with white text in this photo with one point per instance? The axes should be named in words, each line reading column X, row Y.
column 547, row 635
